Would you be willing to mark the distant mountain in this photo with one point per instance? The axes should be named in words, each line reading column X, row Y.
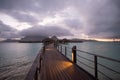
column 10, row 40
column 76, row 40
column 32, row 39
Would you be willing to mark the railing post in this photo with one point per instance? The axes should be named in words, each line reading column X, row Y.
column 57, row 47
column 40, row 63
column 36, row 74
column 44, row 49
column 61, row 49
column 74, row 58
column 95, row 65
column 65, row 50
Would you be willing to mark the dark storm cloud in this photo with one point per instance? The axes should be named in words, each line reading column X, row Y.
column 95, row 18
column 4, row 27
column 117, row 2
column 23, row 17
column 7, row 32
column 113, row 31
column 19, row 9
column 33, row 5
column 54, row 5
column 16, row 5
column 102, row 18
column 40, row 7
column 73, row 23
column 46, row 31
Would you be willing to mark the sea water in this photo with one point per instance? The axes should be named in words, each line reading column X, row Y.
column 106, row 49
column 16, row 59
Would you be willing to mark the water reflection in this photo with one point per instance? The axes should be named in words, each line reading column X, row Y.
column 16, row 59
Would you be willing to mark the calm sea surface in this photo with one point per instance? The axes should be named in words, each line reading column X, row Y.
column 107, row 49
column 16, row 59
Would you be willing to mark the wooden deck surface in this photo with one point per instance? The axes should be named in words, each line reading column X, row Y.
column 57, row 67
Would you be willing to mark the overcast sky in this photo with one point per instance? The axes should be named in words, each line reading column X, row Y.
column 63, row 18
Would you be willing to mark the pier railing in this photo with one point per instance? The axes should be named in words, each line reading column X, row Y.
column 102, row 68
column 36, row 67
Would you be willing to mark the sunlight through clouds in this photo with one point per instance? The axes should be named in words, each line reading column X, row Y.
column 8, row 20
column 23, row 26
column 93, row 18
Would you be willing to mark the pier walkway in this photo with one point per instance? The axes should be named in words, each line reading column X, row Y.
column 65, row 63
column 55, row 66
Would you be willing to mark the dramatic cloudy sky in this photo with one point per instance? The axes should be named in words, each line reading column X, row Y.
column 63, row 18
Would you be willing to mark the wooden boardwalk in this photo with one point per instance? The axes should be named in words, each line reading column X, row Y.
column 55, row 66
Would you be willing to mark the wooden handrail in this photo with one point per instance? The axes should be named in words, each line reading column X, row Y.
column 74, row 50
column 96, row 55
column 33, row 72
column 99, row 56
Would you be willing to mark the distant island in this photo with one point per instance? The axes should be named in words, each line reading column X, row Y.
column 32, row 39
column 10, row 40
column 41, row 39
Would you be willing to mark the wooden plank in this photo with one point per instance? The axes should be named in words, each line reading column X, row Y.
column 56, row 67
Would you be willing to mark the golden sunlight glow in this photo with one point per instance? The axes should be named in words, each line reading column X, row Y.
column 48, row 49
column 107, row 40
column 72, row 57
column 66, row 64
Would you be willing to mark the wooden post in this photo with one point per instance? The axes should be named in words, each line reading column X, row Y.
column 36, row 75
column 40, row 63
column 44, row 49
column 74, row 58
column 95, row 65
column 58, row 48
column 65, row 50
column 61, row 49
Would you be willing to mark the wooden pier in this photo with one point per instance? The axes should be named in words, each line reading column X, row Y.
column 56, row 67
column 50, row 64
